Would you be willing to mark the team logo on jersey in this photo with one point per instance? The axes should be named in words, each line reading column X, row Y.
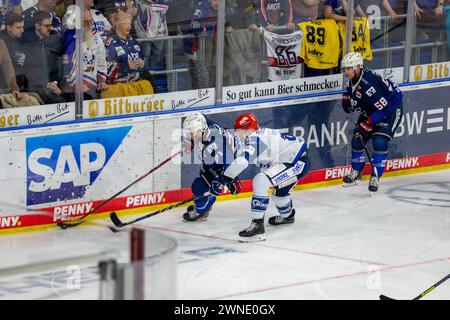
column 63, row 166
column 358, row 94
column 120, row 51
column 137, row 48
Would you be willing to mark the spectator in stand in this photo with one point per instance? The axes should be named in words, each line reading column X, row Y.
column 274, row 13
column 99, row 22
column 124, row 54
column 36, row 65
column 47, row 6
column 430, row 18
column 151, row 23
column 246, row 14
column 7, row 6
column 7, row 76
column 399, row 6
column 203, row 23
column 243, row 50
column 61, row 7
column 12, row 35
column 335, row 9
column 26, row 4
column 94, row 60
column 111, row 7
column 362, row 8
column 305, row 10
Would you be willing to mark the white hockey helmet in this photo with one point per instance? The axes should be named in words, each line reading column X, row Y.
column 195, row 125
column 352, row 60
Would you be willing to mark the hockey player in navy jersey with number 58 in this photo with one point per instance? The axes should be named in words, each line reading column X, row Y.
column 379, row 102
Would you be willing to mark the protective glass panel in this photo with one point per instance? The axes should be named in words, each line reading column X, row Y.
column 430, row 40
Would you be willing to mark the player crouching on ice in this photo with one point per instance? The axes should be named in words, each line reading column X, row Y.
column 214, row 147
column 380, row 102
column 283, row 161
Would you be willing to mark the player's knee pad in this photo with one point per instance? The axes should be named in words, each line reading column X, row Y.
column 261, row 184
column 380, row 142
column 357, row 144
column 199, row 187
column 283, row 204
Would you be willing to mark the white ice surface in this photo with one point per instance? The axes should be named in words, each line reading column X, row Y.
column 344, row 244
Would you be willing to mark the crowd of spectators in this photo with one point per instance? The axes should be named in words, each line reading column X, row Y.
column 38, row 52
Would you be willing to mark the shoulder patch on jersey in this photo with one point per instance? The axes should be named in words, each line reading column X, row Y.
column 137, row 47
column 371, row 91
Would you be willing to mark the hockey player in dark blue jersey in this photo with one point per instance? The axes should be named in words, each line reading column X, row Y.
column 379, row 102
column 214, row 148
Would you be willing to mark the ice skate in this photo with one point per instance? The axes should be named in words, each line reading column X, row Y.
column 352, row 179
column 192, row 215
column 277, row 220
column 255, row 232
column 374, row 184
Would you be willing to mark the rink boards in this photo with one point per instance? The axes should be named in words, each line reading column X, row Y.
column 66, row 170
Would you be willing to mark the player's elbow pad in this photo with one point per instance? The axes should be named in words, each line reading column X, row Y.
column 236, row 167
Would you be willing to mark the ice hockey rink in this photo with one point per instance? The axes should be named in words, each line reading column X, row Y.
column 344, row 244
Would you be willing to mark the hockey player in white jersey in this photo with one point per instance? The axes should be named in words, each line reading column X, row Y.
column 283, row 161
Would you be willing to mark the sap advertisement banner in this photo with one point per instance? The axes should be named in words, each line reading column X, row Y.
column 24, row 116
column 60, row 171
column 68, row 172
column 149, row 103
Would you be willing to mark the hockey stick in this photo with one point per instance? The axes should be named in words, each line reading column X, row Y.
column 359, row 136
column 383, row 297
column 374, row 170
column 118, row 223
column 65, row 225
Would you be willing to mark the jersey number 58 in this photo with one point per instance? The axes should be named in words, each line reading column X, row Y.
column 381, row 104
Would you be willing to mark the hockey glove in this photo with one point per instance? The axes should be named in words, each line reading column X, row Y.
column 216, row 187
column 235, row 186
column 346, row 103
column 366, row 125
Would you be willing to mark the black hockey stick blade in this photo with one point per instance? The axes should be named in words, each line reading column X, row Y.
column 115, row 219
column 383, row 297
column 113, row 229
column 64, row 225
